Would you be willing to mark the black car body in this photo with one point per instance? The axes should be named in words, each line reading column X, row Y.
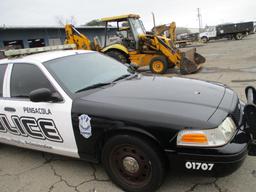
column 132, row 105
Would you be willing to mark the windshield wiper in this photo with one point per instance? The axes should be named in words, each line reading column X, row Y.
column 122, row 77
column 107, row 83
column 93, row 86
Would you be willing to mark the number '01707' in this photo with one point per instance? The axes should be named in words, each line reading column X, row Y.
column 199, row 166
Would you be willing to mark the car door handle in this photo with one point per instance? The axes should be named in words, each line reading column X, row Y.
column 9, row 109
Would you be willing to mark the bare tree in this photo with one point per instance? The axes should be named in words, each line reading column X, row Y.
column 60, row 20
column 95, row 23
column 72, row 20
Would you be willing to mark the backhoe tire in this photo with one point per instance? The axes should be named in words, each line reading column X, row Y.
column 117, row 55
column 158, row 65
column 204, row 39
column 134, row 163
column 239, row 36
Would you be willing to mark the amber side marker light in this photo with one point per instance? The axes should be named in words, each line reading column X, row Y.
column 194, row 138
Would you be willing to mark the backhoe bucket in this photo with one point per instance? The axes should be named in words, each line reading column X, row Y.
column 190, row 61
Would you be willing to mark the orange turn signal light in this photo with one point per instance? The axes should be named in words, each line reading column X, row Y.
column 194, row 138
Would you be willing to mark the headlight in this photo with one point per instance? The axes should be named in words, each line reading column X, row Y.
column 208, row 137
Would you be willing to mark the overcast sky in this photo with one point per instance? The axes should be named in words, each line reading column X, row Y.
column 184, row 12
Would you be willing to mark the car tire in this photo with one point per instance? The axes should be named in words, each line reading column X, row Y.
column 133, row 163
column 239, row 36
column 158, row 65
column 117, row 55
column 204, row 39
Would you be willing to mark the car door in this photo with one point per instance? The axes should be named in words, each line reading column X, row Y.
column 3, row 68
column 212, row 32
column 44, row 126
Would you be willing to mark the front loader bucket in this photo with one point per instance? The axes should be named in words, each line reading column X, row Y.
column 190, row 62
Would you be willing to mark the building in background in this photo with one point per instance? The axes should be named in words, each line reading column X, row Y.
column 40, row 36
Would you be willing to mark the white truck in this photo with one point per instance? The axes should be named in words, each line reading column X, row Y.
column 235, row 31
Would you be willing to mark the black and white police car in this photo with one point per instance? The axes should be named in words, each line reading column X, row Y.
column 85, row 105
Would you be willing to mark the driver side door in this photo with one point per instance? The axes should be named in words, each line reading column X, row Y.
column 44, row 126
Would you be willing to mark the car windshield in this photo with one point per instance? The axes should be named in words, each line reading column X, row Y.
column 87, row 70
column 210, row 29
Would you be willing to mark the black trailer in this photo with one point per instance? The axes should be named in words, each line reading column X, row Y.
column 234, row 30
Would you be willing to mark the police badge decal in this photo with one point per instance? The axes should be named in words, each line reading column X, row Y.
column 85, row 126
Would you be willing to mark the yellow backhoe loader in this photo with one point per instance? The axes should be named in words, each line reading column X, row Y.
column 169, row 30
column 134, row 45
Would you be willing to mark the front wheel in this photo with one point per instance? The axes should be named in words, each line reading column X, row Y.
column 133, row 163
column 158, row 65
column 204, row 39
column 239, row 36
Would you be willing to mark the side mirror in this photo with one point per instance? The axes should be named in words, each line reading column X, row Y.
column 250, row 93
column 250, row 110
column 44, row 95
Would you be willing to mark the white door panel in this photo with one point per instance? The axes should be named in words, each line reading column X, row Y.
column 43, row 126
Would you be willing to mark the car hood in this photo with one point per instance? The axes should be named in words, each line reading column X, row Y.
column 175, row 102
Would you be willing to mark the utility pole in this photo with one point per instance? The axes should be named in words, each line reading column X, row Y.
column 199, row 16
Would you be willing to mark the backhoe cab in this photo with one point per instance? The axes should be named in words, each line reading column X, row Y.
column 133, row 45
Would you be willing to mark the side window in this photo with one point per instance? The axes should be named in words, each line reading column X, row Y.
column 26, row 78
column 2, row 71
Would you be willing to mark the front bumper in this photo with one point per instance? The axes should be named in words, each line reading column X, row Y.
column 225, row 159
column 214, row 161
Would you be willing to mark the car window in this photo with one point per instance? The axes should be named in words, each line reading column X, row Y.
column 79, row 71
column 2, row 71
column 26, row 78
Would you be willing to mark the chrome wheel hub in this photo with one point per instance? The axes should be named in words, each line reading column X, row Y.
column 130, row 164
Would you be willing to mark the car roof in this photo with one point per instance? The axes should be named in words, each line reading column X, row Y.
column 43, row 57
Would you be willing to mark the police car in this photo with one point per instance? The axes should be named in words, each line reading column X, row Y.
column 85, row 105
